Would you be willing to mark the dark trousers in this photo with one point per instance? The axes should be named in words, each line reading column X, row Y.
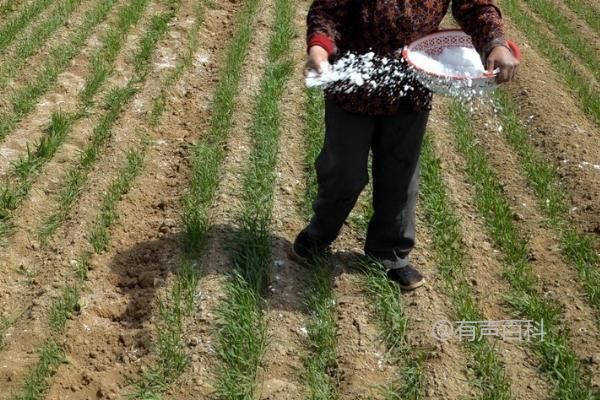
column 342, row 174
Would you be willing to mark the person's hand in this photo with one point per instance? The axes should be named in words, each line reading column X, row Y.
column 316, row 56
column 502, row 58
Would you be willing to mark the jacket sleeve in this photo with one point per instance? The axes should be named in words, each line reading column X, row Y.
column 325, row 21
column 482, row 20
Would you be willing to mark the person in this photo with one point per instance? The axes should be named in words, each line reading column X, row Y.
column 391, row 126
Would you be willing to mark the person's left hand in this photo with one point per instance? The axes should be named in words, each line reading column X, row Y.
column 501, row 57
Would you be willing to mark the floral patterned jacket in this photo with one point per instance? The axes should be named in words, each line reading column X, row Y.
column 384, row 26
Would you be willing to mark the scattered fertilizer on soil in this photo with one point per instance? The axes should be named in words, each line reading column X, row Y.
column 589, row 164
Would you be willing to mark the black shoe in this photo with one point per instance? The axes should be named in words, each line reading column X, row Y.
column 305, row 248
column 406, row 275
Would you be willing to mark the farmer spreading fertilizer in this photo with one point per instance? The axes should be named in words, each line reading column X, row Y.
column 374, row 102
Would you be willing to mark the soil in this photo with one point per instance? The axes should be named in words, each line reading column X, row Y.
column 558, row 279
column 579, row 25
column 29, row 297
column 561, row 131
column 52, row 264
column 71, row 80
column 60, row 35
column 62, row 97
column 579, row 66
column 138, row 268
column 215, row 264
column 484, row 269
column 286, row 315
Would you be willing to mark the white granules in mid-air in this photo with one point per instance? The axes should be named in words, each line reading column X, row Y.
column 453, row 61
column 353, row 71
column 372, row 74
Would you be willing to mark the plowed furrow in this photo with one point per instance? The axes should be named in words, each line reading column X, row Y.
column 561, row 132
column 218, row 159
column 154, row 32
column 482, row 271
column 30, row 212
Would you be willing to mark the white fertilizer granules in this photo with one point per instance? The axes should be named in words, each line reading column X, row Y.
column 367, row 71
column 453, row 61
column 390, row 76
column 352, row 69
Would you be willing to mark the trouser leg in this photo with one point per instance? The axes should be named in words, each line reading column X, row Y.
column 396, row 149
column 341, row 169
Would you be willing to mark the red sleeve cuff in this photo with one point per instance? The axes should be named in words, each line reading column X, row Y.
column 322, row 41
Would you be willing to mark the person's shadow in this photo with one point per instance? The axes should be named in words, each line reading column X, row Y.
column 149, row 267
column 141, row 271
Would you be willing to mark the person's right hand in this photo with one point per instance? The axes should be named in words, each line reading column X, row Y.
column 316, row 56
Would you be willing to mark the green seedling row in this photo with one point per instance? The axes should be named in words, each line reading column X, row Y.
column 567, row 34
column 12, row 26
column 589, row 14
column 25, row 99
column 556, row 357
column 321, row 368
column 241, row 338
column 37, row 382
column 546, row 45
column 36, row 40
column 26, row 170
column 578, row 249
column 117, row 99
column 180, row 301
column 9, row 6
column 444, row 228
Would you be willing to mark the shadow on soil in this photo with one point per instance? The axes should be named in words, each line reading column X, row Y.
column 143, row 270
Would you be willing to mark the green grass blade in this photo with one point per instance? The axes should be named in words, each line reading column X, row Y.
column 545, row 44
column 117, row 99
column 241, row 339
column 9, row 31
column 578, row 249
column 36, row 40
column 589, row 14
column 567, row 34
column 554, row 354
column 25, row 100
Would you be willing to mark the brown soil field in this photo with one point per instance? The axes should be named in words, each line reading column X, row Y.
column 109, row 340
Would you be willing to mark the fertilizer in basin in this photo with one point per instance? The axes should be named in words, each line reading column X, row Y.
column 462, row 62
